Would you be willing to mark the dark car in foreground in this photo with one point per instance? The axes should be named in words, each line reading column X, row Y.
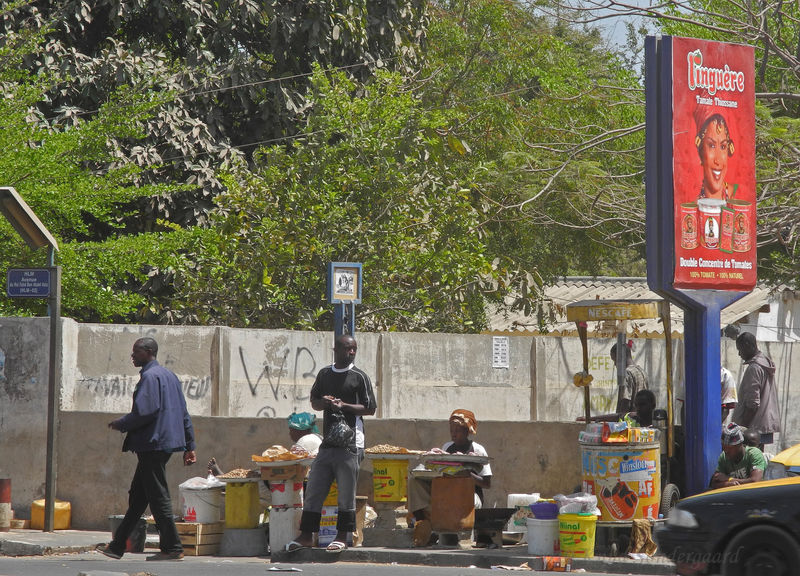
column 749, row 529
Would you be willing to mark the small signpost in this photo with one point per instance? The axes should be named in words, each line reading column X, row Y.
column 344, row 291
column 39, row 283
column 28, row 283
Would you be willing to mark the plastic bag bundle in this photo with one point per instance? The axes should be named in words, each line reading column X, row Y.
column 199, row 483
column 577, row 503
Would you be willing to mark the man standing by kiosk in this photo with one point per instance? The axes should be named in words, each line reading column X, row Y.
column 757, row 408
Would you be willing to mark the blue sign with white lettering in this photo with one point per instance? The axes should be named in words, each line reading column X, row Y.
column 28, row 283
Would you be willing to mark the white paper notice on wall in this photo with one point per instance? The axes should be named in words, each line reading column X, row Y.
column 499, row 351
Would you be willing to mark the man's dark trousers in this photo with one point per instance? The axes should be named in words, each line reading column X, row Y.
column 149, row 486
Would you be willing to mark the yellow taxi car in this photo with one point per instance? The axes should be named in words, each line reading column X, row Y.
column 784, row 464
column 753, row 529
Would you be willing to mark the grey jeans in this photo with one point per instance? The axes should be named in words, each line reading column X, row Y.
column 331, row 464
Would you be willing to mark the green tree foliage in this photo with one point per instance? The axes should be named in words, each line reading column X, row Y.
column 369, row 181
column 219, row 80
column 71, row 177
column 551, row 119
column 239, row 70
column 193, row 171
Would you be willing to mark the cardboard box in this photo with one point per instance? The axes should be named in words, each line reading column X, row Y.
column 327, row 525
column 288, row 472
column 200, row 539
column 615, row 432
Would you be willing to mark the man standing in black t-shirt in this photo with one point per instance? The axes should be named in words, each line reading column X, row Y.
column 345, row 394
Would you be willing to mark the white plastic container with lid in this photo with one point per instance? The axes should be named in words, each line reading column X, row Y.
column 522, row 505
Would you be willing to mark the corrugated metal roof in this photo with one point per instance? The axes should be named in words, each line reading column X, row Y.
column 577, row 288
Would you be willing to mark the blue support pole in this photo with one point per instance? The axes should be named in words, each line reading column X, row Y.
column 338, row 320
column 351, row 319
column 344, row 319
column 703, row 425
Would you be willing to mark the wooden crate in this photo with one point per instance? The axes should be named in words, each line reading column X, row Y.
column 200, row 539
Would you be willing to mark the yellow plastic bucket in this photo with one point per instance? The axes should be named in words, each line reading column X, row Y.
column 576, row 534
column 389, row 480
column 242, row 507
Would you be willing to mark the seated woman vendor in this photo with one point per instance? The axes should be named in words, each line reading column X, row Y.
column 303, row 431
column 462, row 424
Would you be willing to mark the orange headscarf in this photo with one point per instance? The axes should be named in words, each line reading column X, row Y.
column 465, row 418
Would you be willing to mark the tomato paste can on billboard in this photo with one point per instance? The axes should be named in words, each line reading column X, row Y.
column 689, row 225
column 626, row 478
column 713, row 163
column 726, row 229
column 710, row 210
column 741, row 224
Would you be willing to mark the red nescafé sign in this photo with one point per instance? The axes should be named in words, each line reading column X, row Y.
column 713, row 128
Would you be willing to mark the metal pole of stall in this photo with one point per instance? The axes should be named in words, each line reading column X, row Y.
column 583, row 335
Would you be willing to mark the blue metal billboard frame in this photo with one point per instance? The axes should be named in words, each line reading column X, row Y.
column 703, row 418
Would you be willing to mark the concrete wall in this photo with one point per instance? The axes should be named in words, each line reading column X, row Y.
column 242, row 384
column 23, row 406
column 251, row 373
column 94, row 475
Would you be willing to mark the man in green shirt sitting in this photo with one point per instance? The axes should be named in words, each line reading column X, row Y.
column 738, row 463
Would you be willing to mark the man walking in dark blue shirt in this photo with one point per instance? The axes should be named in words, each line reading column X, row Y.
column 157, row 425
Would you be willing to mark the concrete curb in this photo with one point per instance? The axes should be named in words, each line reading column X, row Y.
column 480, row 558
column 38, row 543
column 34, row 543
column 13, row 548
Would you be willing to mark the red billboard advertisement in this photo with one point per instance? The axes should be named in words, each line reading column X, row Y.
column 713, row 131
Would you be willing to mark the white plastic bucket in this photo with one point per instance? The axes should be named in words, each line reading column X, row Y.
column 284, row 524
column 202, row 505
column 543, row 538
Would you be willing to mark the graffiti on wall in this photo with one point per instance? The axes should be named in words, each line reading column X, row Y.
column 116, row 386
column 277, row 377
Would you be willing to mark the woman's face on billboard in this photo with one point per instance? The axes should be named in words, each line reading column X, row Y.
column 714, row 153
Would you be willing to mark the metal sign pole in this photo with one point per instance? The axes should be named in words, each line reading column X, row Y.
column 54, row 379
column 344, row 292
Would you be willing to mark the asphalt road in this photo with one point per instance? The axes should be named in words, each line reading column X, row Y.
column 93, row 564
